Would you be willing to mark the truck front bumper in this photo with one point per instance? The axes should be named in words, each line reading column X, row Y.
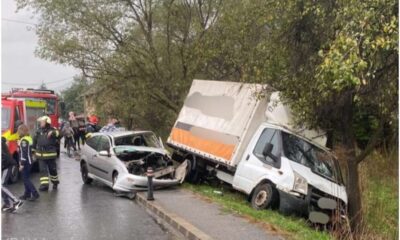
column 293, row 202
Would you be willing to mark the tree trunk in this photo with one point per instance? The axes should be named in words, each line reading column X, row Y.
column 353, row 185
column 354, row 195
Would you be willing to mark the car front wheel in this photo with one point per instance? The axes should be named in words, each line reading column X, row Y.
column 85, row 174
column 114, row 178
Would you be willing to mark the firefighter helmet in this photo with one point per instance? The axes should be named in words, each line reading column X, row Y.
column 45, row 118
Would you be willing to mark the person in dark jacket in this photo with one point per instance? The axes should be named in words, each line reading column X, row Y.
column 11, row 202
column 25, row 162
column 45, row 147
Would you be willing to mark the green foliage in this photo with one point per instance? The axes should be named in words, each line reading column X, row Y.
column 73, row 98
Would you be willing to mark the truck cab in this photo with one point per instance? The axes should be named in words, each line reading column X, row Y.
column 12, row 115
column 299, row 171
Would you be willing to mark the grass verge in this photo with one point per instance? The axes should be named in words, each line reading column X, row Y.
column 379, row 184
column 234, row 202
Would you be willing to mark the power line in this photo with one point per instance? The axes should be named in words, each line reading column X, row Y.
column 18, row 21
column 34, row 84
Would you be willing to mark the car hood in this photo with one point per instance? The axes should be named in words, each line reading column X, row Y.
column 144, row 149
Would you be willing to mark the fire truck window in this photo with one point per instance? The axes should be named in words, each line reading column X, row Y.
column 17, row 115
column 51, row 106
column 5, row 118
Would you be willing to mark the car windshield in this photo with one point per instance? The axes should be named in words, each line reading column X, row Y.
column 5, row 118
column 144, row 139
column 318, row 160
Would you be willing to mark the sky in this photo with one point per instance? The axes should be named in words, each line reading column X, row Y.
column 20, row 68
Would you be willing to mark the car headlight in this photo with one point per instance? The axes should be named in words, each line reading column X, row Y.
column 300, row 184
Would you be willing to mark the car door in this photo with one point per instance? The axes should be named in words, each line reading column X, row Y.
column 90, row 152
column 104, row 164
column 255, row 166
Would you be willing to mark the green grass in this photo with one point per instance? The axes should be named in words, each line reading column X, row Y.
column 234, row 202
column 379, row 183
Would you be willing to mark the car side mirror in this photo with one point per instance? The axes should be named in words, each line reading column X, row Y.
column 105, row 153
column 267, row 152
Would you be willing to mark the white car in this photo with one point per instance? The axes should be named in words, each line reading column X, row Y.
column 120, row 160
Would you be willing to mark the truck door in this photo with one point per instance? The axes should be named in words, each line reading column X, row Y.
column 255, row 166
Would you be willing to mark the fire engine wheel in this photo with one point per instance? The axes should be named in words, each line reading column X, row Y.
column 14, row 175
column 263, row 196
column 85, row 174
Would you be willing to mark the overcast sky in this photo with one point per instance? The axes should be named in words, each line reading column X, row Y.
column 20, row 67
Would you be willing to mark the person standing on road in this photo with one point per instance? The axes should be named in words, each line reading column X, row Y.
column 82, row 129
column 11, row 202
column 25, row 162
column 75, row 125
column 44, row 144
column 68, row 134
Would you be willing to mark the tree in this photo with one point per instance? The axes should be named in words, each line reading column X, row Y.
column 151, row 47
column 354, row 69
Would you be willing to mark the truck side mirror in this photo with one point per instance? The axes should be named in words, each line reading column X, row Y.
column 267, row 152
column 268, row 149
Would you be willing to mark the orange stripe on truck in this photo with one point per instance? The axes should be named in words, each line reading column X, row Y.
column 209, row 146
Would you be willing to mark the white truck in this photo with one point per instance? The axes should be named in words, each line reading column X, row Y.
column 243, row 135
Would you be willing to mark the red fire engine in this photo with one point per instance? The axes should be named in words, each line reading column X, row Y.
column 14, row 112
column 52, row 100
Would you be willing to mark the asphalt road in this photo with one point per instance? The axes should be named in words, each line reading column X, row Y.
column 78, row 211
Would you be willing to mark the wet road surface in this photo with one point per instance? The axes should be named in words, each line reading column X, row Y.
column 78, row 211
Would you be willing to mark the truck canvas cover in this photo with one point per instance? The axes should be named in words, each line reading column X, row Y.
column 214, row 118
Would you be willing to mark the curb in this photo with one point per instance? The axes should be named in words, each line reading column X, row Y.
column 174, row 221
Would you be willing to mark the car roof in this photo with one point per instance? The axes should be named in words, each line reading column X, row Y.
column 116, row 134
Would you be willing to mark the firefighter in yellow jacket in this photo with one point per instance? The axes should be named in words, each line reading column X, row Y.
column 45, row 147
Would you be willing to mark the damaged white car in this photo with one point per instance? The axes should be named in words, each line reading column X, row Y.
column 120, row 160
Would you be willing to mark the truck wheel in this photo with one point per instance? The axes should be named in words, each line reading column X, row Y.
column 263, row 196
column 192, row 175
column 85, row 174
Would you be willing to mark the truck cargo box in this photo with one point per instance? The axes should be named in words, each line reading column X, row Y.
column 219, row 118
column 216, row 117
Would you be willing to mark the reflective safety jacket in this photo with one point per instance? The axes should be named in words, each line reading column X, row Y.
column 45, row 143
column 25, row 150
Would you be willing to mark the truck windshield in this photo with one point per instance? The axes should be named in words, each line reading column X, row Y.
column 5, row 118
column 318, row 160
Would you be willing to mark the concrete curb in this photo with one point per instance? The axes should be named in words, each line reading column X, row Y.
column 174, row 221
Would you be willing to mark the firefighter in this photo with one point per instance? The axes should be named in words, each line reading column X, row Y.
column 45, row 145
column 25, row 161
